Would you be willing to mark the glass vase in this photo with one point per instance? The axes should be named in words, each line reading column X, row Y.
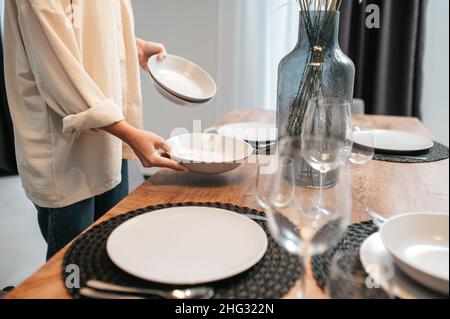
column 315, row 68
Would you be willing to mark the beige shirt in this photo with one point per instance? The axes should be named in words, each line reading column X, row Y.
column 70, row 69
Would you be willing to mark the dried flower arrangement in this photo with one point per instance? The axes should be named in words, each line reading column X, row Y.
column 319, row 27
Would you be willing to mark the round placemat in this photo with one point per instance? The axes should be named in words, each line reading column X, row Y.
column 355, row 235
column 271, row 278
column 438, row 152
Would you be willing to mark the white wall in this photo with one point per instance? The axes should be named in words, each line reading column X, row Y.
column 435, row 102
column 187, row 28
column 253, row 36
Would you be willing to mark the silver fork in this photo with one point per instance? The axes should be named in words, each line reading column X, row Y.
column 103, row 290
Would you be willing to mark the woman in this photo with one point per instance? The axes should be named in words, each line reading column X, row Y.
column 72, row 80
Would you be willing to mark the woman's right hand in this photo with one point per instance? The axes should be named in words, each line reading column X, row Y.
column 146, row 145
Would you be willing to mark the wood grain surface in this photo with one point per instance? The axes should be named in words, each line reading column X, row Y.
column 391, row 189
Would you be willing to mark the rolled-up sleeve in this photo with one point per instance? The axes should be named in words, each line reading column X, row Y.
column 56, row 60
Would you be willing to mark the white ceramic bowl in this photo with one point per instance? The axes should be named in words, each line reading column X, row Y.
column 182, row 78
column 377, row 261
column 418, row 242
column 209, row 153
column 172, row 98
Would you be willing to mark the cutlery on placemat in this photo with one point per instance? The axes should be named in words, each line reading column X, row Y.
column 377, row 218
column 95, row 294
column 98, row 288
column 256, row 217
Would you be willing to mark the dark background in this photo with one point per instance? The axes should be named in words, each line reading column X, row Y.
column 7, row 157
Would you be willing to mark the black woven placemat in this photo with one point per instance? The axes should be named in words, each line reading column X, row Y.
column 271, row 278
column 355, row 235
column 438, row 152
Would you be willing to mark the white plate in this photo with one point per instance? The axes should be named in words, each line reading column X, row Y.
column 251, row 132
column 172, row 98
column 373, row 255
column 394, row 141
column 187, row 245
column 209, row 153
column 418, row 242
column 182, row 78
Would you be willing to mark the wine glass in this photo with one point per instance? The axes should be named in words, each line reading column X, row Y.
column 362, row 153
column 363, row 148
column 267, row 167
column 326, row 136
column 295, row 224
column 348, row 279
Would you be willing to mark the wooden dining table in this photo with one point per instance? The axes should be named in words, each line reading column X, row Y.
column 394, row 188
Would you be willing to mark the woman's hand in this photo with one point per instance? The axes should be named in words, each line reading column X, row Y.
column 147, row 49
column 146, row 145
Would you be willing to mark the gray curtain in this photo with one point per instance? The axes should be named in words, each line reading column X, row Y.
column 7, row 157
column 388, row 60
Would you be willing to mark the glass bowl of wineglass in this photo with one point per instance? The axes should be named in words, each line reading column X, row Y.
column 293, row 218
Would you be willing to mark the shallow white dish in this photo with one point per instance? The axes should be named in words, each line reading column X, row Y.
column 209, row 153
column 395, row 141
column 187, row 245
column 252, row 132
column 182, row 78
column 172, row 98
column 419, row 244
column 374, row 255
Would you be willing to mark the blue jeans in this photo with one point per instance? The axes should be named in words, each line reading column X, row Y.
column 59, row 226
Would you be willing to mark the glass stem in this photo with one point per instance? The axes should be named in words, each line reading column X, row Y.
column 322, row 178
column 305, row 279
column 300, row 290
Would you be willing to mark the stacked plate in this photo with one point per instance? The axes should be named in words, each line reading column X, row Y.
column 181, row 81
column 260, row 136
column 187, row 245
column 417, row 247
column 397, row 143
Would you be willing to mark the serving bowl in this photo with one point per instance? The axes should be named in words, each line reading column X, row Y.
column 182, row 78
column 172, row 98
column 209, row 153
column 418, row 242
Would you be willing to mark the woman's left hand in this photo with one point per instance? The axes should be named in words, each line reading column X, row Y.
column 146, row 49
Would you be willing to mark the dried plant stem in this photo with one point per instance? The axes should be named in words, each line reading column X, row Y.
column 318, row 18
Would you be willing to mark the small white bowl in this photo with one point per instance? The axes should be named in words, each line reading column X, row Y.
column 419, row 242
column 172, row 98
column 209, row 153
column 182, row 78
